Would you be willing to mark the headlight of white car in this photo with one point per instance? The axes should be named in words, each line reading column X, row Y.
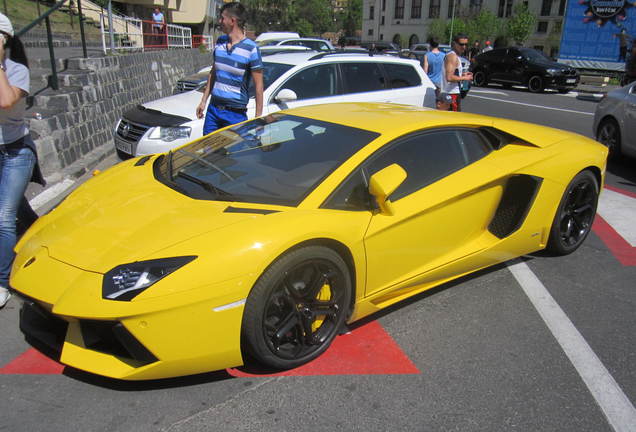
column 170, row 133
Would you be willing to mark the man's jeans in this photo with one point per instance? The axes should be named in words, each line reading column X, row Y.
column 217, row 118
column 16, row 167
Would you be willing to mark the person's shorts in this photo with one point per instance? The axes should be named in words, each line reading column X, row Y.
column 456, row 104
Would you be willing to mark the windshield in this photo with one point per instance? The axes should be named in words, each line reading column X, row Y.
column 277, row 159
column 271, row 72
column 532, row 54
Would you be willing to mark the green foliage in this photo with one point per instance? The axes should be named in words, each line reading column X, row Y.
column 484, row 25
column 521, row 24
column 351, row 19
column 437, row 30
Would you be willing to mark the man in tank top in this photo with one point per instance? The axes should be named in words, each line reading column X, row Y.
column 453, row 73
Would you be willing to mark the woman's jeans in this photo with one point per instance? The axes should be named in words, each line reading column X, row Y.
column 16, row 167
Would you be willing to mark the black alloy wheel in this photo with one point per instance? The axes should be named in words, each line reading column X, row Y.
column 297, row 307
column 535, row 84
column 609, row 134
column 480, row 79
column 573, row 220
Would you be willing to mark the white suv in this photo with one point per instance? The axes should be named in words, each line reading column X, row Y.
column 314, row 44
column 291, row 80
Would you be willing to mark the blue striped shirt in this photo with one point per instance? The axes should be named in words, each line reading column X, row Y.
column 232, row 69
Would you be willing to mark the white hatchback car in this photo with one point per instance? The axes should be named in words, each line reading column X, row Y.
column 291, row 80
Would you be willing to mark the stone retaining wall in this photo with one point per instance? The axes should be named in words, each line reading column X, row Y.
column 73, row 127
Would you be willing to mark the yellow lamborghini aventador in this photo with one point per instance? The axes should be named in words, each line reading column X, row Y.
column 267, row 236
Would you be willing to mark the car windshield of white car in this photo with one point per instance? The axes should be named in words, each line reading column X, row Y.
column 271, row 72
column 277, row 159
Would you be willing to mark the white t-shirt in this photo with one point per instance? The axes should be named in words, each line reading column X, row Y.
column 452, row 87
column 157, row 18
column 12, row 123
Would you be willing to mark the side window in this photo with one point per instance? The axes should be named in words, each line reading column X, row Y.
column 426, row 158
column 314, row 82
column 402, row 75
column 474, row 145
column 362, row 77
column 322, row 46
column 353, row 194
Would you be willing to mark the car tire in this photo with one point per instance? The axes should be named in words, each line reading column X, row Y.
column 283, row 326
column 480, row 79
column 609, row 134
column 575, row 214
column 535, row 84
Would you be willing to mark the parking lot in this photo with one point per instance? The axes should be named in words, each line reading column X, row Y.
column 536, row 344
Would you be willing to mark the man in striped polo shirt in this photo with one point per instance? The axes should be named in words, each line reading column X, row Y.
column 236, row 61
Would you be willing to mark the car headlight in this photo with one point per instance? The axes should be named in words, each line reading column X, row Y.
column 127, row 281
column 170, row 133
column 553, row 71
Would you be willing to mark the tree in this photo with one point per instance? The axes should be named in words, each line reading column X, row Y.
column 315, row 13
column 483, row 26
column 521, row 24
column 351, row 18
column 437, row 30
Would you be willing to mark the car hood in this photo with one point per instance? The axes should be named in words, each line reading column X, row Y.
column 551, row 65
column 181, row 104
column 125, row 218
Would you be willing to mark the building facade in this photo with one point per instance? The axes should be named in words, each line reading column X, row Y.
column 197, row 14
column 407, row 21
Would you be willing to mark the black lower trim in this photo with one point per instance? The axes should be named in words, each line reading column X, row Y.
column 42, row 327
column 151, row 117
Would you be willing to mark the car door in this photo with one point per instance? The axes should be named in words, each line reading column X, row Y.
column 405, row 84
column 364, row 82
column 630, row 119
column 441, row 211
column 510, row 65
column 494, row 64
column 313, row 85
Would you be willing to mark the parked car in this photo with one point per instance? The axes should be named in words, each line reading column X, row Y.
column 381, row 47
column 291, row 80
column 265, row 238
column 419, row 50
column 196, row 80
column 523, row 66
column 314, row 44
column 615, row 121
column 268, row 36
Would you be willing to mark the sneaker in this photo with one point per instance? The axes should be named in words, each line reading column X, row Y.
column 5, row 295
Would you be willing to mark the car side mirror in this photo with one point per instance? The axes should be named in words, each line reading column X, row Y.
column 286, row 95
column 384, row 183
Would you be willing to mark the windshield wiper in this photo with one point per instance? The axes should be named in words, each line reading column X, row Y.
column 206, row 162
column 205, row 185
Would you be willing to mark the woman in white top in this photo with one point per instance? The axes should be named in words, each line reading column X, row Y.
column 18, row 160
column 453, row 71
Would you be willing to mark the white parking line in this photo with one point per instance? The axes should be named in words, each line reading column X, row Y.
column 618, row 210
column 50, row 193
column 618, row 409
column 532, row 105
column 474, row 90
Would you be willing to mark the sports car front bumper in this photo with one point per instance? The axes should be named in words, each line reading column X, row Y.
column 181, row 334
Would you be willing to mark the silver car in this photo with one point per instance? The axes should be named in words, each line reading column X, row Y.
column 615, row 121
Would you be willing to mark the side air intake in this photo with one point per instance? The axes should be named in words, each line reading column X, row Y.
column 518, row 196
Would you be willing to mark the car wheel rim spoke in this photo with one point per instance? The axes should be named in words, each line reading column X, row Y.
column 304, row 309
column 576, row 219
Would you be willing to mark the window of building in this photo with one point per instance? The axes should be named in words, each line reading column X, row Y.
column 457, row 6
column 556, row 27
column 562, row 7
column 433, row 10
column 542, row 27
column 475, row 6
column 383, row 5
column 554, row 52
column 371, row 11
column 382, row 20
column 416, row 9
column 399, row 9
column 370, row 32
column 546, row 6
column 509, row 8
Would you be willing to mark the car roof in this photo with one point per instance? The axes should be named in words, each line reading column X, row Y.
column 296, row 58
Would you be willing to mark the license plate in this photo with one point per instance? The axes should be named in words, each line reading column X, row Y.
column 123, row 146
column 570, row 80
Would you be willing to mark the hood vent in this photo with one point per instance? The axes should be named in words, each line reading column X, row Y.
column 248, row 210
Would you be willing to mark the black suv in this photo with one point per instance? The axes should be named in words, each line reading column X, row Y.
column 523, row 66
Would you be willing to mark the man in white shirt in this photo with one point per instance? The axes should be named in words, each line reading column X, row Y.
column 453, row 71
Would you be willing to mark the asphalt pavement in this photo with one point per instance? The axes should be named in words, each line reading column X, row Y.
column 479, row 354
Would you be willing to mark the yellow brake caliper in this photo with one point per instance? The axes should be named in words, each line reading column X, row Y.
column 323, row 295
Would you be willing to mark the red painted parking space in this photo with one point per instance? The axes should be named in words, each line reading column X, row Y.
column 622, row 250
column 368, row 349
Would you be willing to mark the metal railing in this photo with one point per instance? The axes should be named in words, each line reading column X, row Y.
column 53, row 80
column 136, row 34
